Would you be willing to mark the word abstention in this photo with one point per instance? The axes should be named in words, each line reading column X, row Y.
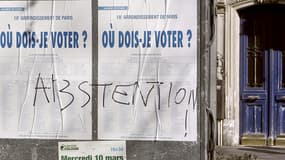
column 117, row 93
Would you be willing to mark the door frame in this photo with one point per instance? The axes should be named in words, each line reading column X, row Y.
column 231, row 47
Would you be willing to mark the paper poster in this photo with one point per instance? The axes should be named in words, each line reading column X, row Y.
column 147, row 77
column 92, row 150
column 45, row 69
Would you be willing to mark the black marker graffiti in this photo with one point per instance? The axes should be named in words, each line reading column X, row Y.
column 86, row 93
column 104, row 90
column 43, row 88
column 147, row 96
column 186, row 123
column 41, row 85
column 183, row 95
column 125, row 94
column 63, row 91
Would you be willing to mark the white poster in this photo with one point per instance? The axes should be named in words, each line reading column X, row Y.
column 147, row 78
column 92, row 150
column 45, row 69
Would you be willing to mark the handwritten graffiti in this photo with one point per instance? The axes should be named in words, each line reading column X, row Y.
column 126, row 94
column 119, row 92
column 41, row 86
column 161, row 95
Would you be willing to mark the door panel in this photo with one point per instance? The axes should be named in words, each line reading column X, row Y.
column 254, row 121
column 279, row 97
column 281, row 119
column 255, row 68
column 254, row 92
column 280, row 124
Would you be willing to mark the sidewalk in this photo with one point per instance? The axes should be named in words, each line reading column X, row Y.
column 250, row 153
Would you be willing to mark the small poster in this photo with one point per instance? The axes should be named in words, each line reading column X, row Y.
column 92, row 150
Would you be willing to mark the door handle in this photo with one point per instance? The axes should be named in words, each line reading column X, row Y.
column 253, row 98
column 282, row 98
